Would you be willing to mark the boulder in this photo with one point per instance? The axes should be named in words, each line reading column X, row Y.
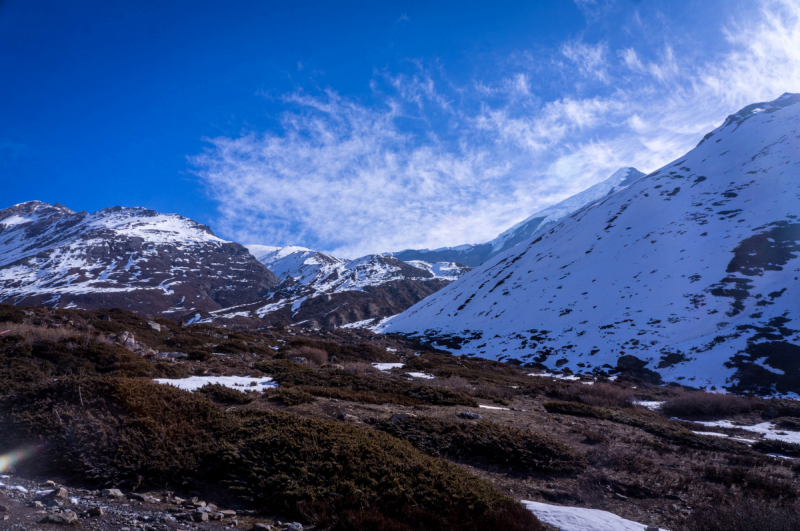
column 113, row 493
column 469, row 415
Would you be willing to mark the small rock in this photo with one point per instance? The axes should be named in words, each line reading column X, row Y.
column 62, row 518
column 469, row 415
column 294, row 526
column 95, row 511
column 261, row 527
column 770, row 413
column 227, row 513
column 651, row 528
column 349, row 418
column 199, row 516
column 113, row 493
column 3, row 509
column 152, row 325
column 50, row 483
column 399, row 417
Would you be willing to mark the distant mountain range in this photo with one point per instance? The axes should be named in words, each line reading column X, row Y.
column 474, row 255
column 171, row 266
column 688, row 274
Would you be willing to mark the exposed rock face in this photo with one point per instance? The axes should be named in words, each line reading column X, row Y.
column 320, row 290
column 130, row 258
column 689, row 273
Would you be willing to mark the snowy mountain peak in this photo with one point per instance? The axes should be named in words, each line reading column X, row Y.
column 688, row 274
column 474, row 255
column 122, row 257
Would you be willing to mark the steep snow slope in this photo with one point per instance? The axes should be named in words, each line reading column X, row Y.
column 475, row 255
column 321, row 289
column 132, row 258
column 690, row 273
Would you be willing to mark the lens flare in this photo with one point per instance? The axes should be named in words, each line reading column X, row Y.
column 10, row 459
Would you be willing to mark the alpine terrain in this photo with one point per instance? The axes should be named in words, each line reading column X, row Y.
column 474, row 255
column 317, row 289
column 130, row 258
column 688, row 274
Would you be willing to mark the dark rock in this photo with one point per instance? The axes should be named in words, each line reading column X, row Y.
column 62, row 518
column 399, row 417
column 469, row 415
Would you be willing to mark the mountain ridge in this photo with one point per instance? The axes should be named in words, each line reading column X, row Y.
column 689, row 274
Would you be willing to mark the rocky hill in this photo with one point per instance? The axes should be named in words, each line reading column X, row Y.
column 688, row 274
column 130, row 258
column 319, row 290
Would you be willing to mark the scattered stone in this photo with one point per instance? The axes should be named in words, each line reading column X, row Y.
column 152, row 325
column 95, row 511
column 65, row 518
column 770, row 413
column 349, row 418
column 113, row 493
column 199, row 516
column 50, row 483
column 227, row 513
column 294, row 526
column 399, row 417
column 261, row 527
column 469, row 415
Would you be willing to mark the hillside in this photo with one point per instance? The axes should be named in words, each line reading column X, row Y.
column 131, row 258
column 689, row 274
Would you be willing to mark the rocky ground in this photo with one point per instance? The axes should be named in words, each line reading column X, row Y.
column 32, row 504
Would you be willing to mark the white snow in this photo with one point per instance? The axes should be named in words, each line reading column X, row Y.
column 647, row 270
column 570, row 377
column 387, row 366
column 240, row 383
column 493, row 407
column 580, row 519
column 420, row 375
column 649, row 404
column 767, row 429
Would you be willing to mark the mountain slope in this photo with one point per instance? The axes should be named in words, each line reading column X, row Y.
column 321, row 290
column 131, row 258
column 689, row 274
column 475, row 255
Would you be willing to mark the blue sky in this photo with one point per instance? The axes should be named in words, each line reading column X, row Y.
column 358, row 127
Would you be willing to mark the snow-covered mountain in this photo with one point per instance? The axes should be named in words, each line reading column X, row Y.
column 474, row 255
column 131, row 258
column 322, row 290
column 689, row 273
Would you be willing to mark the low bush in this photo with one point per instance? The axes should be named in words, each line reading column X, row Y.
column 292, row 396
column 700, row 405
column 774, row 446
column 788, row 423
column 745, row 515
column 599, row 394
column 374, row 385
column 651, row 423
column 315, row 357
column 283, row 369
column 755, row 479
column 226, row 395
column 124, row 432
column 487, row 442
column 343, row 353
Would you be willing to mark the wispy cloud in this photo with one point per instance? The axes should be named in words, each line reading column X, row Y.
column 432, row 164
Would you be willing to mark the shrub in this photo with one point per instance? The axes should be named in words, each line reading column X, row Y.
column 600, row 394
column 488, row 443
column 226, row 395
column 700, row 405
column 651, row 423
column 746, row 515
column 359, row 368
column 131, row 432
column 199, row 354
column 282, row 368
column 343, row 353
column 788, row 423
column 293, row 396
column 314, row 356
column 774, row 446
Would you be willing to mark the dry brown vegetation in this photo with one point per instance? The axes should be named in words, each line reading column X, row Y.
column 322, row 448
